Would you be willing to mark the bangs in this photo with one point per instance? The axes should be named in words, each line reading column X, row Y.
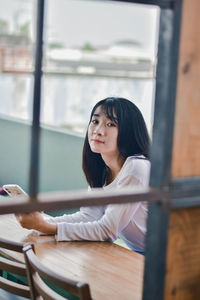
column 110, row 111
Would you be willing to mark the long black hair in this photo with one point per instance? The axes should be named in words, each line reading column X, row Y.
column 133, row 138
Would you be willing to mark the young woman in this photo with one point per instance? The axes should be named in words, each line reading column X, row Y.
column 115, row 155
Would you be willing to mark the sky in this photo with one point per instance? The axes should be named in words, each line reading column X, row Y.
column 101, row 23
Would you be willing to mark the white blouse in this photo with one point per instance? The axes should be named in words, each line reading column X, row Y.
column 106, row 223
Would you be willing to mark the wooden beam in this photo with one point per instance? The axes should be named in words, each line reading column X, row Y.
column 74, row 199
column 186, row 149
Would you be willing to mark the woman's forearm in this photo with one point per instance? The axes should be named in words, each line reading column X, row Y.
column 48, row 228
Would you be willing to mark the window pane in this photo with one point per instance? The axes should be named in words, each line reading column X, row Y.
column 17, row 40
column 93, row 49
column 96, row 49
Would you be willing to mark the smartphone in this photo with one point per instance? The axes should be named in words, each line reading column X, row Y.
column 14, row 190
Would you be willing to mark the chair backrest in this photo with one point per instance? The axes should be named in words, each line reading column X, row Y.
column 9, row 264
column 37, row 273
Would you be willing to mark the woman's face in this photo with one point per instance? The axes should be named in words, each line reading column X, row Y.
column 103, row 133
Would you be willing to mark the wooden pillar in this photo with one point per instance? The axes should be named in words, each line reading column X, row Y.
column 183, row 253
column 186, row 149
column 182, row 281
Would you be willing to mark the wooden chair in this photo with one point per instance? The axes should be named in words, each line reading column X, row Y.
column 37, row 273
column 11, row 266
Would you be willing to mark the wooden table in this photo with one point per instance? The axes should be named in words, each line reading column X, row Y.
column 112, row 271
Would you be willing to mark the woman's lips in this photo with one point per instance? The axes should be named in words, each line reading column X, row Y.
column 97, row 141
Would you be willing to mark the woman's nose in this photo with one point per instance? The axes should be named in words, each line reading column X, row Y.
column 99, row 130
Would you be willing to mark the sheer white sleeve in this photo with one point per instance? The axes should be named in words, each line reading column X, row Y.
column 108, row 227
column 114, row 220
column 86, row 214
column 107, row 223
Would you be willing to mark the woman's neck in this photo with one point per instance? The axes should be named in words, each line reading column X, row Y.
column 114, row 166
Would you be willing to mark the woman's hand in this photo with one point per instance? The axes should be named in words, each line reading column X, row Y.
column 36, row 221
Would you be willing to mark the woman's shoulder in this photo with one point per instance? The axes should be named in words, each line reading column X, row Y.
column 136, row 162
column 137, row 167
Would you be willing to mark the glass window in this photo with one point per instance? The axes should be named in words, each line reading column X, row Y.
column 92, row 50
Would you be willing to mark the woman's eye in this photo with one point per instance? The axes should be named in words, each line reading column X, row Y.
column 111, row 124
column 94, row 121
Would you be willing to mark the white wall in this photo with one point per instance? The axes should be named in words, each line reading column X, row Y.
column 60, row 161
